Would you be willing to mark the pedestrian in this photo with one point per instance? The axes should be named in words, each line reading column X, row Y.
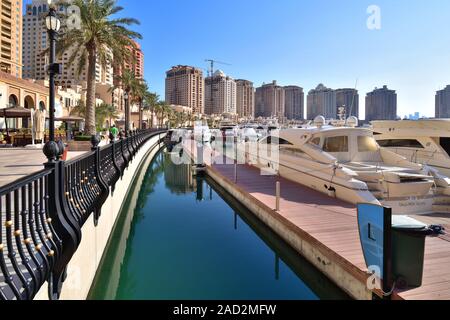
column 114, row 132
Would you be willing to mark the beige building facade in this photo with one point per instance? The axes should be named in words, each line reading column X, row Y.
column 220, row 94
column 11, row 37
column 185, row 86
column 35, row 42
column 270, row 101
column 294, row 103
column 322, row 102
column 245, row 99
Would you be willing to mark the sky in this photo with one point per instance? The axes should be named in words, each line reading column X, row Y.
column 304, row 42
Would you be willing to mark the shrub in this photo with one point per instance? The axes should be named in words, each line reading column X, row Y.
column 82, row 138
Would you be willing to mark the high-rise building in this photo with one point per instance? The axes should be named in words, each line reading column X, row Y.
column 220, row 94
column 11, row 37
column 245, row 99
column 322, row 102
column 35, row 42
column 443, row 103
column 135, row 62
column 270, row 101
column 349, row 100
column 185, row 87
column 381, row 104
column 294, row 103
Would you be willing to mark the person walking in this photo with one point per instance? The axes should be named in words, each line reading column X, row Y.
column 114, row 132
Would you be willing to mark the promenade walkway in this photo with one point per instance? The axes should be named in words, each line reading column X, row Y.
column 18, row 163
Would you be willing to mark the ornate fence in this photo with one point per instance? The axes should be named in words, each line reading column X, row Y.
column 41, row 215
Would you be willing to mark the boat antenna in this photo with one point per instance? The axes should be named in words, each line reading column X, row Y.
column 353, row 99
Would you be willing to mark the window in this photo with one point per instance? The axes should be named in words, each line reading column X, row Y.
column 336, row 144
column 367, row 144
column 400, row 143
column 315, row 141
column 293, row 150
column 275, row 141
column 445, row 144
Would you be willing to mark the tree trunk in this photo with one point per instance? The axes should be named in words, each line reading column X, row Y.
column 90, row 93
column 141, row 114
column 152, row 116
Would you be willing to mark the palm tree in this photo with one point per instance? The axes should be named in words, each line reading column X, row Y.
column 139, row 94
column 102, row 113
column 99, row 38
column 162, row 110
column 150, row 101
column 131, row 85
column 79, row 110
column 105, row 112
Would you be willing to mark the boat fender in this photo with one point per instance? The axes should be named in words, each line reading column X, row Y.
column 331, row 191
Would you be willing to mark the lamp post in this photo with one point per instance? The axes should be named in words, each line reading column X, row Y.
column 126, row 97
column 141, row 117
column 53, row 25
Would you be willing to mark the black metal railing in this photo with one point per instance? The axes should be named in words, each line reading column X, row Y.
column 41, row 215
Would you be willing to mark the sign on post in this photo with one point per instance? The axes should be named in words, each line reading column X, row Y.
column 375, row 225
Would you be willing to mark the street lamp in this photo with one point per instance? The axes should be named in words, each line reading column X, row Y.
column 141, row 117
column 127, row 116
column 53, row 25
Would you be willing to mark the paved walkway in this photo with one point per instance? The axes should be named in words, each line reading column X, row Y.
column 17, row 163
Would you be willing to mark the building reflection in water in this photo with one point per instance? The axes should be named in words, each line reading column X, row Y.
column 179, row 178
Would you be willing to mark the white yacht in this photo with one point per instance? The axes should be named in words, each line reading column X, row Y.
column 347, row 163
column 249, row 133
column 423, row 141
column 228, row 131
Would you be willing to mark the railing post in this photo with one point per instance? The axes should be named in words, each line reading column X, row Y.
column 116, row 165
column 101, row 182
column 62, row 221
column 122, row 151
column 129, row 145
column 135, row 142
column 278, row 195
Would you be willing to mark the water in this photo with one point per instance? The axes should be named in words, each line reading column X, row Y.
column 184, row 238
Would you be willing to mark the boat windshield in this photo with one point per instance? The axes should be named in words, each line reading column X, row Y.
column 367, row 144
column 273, row 140
column 336, row 144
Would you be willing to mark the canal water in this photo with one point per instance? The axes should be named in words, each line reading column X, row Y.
column 183, row 238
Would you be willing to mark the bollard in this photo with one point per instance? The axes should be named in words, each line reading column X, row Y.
column 235, row 173
column 278, row 195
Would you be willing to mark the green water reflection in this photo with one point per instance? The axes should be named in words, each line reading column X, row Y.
column 184, row 238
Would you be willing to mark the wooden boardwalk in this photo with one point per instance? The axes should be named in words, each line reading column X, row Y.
column 333, row 224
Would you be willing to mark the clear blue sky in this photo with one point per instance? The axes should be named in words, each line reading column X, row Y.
column 304, row 42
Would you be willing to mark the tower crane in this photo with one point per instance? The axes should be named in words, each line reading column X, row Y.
column 212, row 62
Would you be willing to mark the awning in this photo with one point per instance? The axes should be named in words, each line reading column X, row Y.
column 70, row 119
column 15, row 112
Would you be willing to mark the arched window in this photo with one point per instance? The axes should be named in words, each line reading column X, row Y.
column 40, row 9
column 13, row 101
column 34, row 11
column 41, row 106
column 29, row 102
